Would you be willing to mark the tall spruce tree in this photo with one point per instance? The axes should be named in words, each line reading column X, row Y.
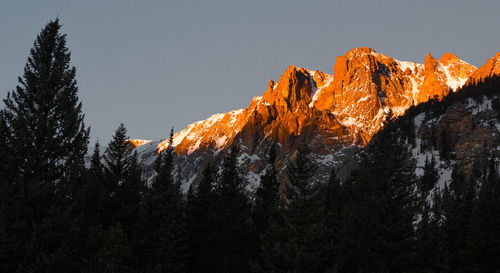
column 44, row 116
column 430, row 176
column 118, row 158
column 45, row 141
column 124, row 184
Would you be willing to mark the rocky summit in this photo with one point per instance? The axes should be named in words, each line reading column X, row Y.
column 336, row 115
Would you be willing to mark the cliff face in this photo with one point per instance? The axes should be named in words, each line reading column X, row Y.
column 368, row 86
column 335, row 114
column 469, row 130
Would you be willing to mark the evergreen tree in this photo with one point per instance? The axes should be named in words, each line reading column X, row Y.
column 118, row 158
column 178, row 178
column 430, row 177
column 124, row 185
column 377, row 233
column 7, row 159
column 293, row 242
column 96, row 167
column 14, row 229
column 428, row 244
column 93, row 201
column 201, row 218
column 267, row 197
column 45, row 141
column 444, row 145
column 87, row 217
column 116, row 254
column 44, row 115
column 458, row 212
column 234, row 238
column 165, row 220
column 484, row 239
column 334, row 200
column 267, row 202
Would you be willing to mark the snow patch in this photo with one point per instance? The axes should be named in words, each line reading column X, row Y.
column 418, row 121
column 194, row 147
column 185, row 186
column 398, row 111
column 414, row 68
column 315, row 90
column 348, row 122
column 244, row 157
column 235, row 115
column 404, row 65
column 475, row 108
column 325, row 160
column 414, row 90
column 453, row 82
column 220, row 141
column 181, row 135
column 364, row 99
column 253, row 181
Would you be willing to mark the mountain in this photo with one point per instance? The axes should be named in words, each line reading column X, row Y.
column 337, row 115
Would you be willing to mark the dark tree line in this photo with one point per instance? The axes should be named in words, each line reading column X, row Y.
column 59, row 215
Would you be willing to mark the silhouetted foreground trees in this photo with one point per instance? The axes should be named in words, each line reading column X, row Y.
column 58, row 215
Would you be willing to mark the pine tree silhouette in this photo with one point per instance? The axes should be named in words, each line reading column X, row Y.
column 46, row 140
column 165, row 217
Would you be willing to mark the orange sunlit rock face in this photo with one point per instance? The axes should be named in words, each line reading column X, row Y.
column 365, row 89
column 492, row 67
column 137, row 142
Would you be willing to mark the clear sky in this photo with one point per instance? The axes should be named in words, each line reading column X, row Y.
column 157, row 64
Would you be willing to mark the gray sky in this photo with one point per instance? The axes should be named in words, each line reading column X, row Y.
column 157, row 64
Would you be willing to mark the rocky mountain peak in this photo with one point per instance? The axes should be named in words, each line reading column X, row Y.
column 358, row 52
column 434, row 84
column 449, row 58
column 492, row 67
column 294, row 88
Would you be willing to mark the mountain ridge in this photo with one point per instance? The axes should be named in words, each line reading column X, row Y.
column 334, row 113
